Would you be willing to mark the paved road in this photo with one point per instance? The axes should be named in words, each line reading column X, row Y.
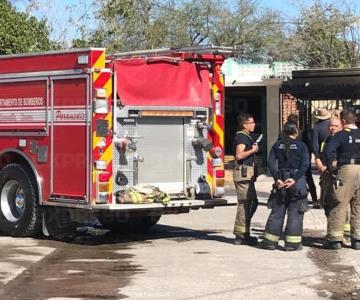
column 189, row 256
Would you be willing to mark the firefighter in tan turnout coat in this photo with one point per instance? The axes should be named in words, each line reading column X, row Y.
column 244, row 177
column 343, row 156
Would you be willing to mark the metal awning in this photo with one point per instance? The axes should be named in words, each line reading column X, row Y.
column 324, row 84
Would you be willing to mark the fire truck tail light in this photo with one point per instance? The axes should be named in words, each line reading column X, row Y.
column 83, row 59
column 102, row 198
column 217, row 162
column 219, row 191
column 217, row 96
column 220, row 173
column 104, row 177
column 103, row 187
column 101, row 106
column 100, row 164
column 217, row 108
column 220, row 182
column 100, row 93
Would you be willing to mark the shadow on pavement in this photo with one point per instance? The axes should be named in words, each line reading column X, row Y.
column 99, row 236
column 92, row 236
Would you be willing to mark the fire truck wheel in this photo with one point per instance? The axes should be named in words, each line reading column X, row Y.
column 20, row 212
column 133, row 224
column 59, row 224
column 149, row 221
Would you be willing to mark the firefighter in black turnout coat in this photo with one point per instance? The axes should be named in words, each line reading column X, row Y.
column 288, row 161
column 343, row 156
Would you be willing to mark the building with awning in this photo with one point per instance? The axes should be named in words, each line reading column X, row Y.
column 255, row 89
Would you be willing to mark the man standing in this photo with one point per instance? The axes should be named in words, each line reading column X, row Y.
column 320, row 129
column 343, row 154
column 244, row 178
column 319, row 134
column 327, row 191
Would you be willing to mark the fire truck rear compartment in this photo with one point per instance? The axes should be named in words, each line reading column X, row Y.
column 165, row 155
column 161, row 145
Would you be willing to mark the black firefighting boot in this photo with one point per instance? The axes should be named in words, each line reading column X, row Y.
column 316, row 204
column 333, row 245
column 268, row 245
column 293, row 247
column 245, row 240
column 355, row 244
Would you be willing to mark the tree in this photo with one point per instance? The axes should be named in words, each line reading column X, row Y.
column 258, row 30
column 145, row 24
column 20, row 32
column 123, row 25
column 191, row 23
column 325, row 35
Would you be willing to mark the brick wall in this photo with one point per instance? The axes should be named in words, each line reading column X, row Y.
column 288, row 106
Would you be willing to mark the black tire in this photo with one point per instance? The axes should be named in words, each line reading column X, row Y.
column 20, row 212
column 58, row 223
column 133, row 224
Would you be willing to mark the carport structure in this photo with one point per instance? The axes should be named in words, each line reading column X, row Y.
column 330, row 88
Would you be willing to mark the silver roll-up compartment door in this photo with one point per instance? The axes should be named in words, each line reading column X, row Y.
column 162, row 148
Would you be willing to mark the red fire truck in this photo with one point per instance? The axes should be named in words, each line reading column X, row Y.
column 78, row 127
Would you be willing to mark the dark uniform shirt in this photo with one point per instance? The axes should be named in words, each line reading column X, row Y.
column 323, row 147
column 244, row 138
column 343, row 147
column 320, row 133
column 298, row 159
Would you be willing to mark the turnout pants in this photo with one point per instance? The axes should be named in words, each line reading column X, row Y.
column 347, row 192
column 294, row 225
column 328, row 198
column 327, row 192
column 292, row 202
column 247, row 204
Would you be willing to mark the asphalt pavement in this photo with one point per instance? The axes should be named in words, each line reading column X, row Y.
column 186, row 256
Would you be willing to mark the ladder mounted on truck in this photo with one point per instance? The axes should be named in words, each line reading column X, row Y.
column 196, row 50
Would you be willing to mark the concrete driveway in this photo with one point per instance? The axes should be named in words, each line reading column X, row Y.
column 188, row 256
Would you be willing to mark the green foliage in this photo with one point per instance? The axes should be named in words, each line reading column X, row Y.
column 326, row 35
column 322, row 35
column 259, row 31
column 20, row 32
column 126, row 25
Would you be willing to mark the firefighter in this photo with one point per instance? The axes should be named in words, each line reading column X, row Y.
column 342, row 156
column 304, row 136
column 244, row 178
column 319, row 133
column 288, row 161
column 327, row 191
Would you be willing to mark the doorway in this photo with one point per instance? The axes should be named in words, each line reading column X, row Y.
column 250, row 100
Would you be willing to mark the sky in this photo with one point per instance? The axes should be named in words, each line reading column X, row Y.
column 62, row 10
